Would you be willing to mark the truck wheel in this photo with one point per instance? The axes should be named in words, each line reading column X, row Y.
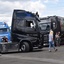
column 25, row 47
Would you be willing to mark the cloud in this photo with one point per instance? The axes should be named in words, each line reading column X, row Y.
column 6, row 19
column 7, row 7
column 35, row 6
column 57, row 12
column 46, row 1
column 30, row 5
column 15, row 0
column 56, row 0
column 52, row 1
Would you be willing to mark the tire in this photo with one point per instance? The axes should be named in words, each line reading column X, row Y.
column 25, row 47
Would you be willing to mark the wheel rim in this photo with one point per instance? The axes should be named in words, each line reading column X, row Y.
column 23, row 47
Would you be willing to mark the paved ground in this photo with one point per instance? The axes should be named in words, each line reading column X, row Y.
column 36, row 57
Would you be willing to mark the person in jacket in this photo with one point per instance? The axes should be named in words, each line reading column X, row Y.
column 51, row 41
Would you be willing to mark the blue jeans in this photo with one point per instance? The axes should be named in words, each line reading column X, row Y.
column 51, row 44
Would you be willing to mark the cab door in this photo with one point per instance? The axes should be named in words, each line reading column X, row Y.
column 31, row 28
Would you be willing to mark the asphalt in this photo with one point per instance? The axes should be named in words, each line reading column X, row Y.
column 38, row 56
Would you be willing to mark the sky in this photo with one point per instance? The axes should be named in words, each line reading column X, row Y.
column 44, row 8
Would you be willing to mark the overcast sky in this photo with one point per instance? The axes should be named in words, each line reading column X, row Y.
column 44, row 7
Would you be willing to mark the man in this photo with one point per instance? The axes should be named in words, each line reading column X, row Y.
column 57, row 38
column 51, row 41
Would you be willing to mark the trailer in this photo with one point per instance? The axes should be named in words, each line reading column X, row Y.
column 56, row 23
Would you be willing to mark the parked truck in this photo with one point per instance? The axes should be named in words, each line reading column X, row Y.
column 5, row 35
column 25, row 33
column 56, row 23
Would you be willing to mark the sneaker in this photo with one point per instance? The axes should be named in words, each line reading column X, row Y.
column 49, row 50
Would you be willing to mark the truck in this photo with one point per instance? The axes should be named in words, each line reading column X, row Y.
column 56, row 23
column 25, row 33
column 5, row 35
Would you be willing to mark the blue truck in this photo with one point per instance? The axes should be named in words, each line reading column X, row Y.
column 4, row 32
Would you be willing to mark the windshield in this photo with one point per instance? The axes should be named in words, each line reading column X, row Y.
column 4, row 30
column 44, row 26
column 44, row 20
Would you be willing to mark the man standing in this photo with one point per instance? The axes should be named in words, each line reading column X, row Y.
column 51, row 41
column 57, row 39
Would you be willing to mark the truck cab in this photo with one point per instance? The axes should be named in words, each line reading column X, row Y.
column 5, row 35
column 47, row 23
column 25, row 30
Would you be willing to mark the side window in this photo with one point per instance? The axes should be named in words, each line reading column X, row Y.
column 48, row 27
column 18, row 24
column 44, row 26
column 30, row 24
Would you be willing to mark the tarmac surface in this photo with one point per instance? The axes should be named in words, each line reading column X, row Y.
column 38, row 56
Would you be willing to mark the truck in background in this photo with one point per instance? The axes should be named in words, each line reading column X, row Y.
column 25, row 33
column 55, row 23
column 5, row 35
